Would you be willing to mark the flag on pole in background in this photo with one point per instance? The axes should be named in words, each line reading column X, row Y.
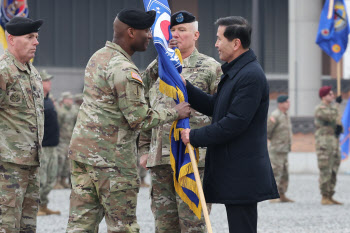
column 169, row 69
column 333, row 30
column 345, row 136
column 10, row 9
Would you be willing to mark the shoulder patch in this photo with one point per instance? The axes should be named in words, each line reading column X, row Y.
column 136, row 76
column 272, row 119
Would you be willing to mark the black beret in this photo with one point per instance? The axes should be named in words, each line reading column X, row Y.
column 282, row 98
column 136, row 18
column 181, row 17
column 19, row 26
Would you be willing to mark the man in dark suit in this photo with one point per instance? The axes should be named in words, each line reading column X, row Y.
column 238, row 171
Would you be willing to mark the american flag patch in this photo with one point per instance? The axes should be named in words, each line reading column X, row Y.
column 136, row 76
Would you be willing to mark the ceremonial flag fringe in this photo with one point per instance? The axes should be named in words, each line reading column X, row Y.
column 345, row 136
column 333, row 30
column 169, row 69
column 10, row 9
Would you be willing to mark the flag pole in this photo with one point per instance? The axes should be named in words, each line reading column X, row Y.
column 200, row 189
column 330, row 9
column 338, row 79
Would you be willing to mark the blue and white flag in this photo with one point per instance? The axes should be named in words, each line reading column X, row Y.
column 333, row 30
column 10, row 9
column 169, row 69
column 345, row 136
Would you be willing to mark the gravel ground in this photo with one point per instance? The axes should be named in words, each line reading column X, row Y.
column 306, row 215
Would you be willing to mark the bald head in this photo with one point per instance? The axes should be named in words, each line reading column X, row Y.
column 120, row 29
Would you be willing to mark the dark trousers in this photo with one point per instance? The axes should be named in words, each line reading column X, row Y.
column 242, row 218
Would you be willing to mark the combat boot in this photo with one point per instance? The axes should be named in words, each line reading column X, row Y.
column 65, row 184
column 43, row 210
column 277, row 200
column 58, row 185
column 283, row 198
column 336, row 202
column 144, row 184
column 326, row 201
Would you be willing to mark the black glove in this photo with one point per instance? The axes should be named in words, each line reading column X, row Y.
column 338, row 130
column 339, row 99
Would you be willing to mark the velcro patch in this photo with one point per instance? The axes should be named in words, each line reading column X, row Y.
column 272, row 119
column 136, row 76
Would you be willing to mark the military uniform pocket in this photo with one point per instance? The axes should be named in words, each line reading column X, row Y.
column 7, row 208
column 124, row 188
column 127, row 179
column 135, row 91
column 17, row 95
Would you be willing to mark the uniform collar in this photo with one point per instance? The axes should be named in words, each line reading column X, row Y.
column 115, row 46
column 191, row 60
column 18, row 64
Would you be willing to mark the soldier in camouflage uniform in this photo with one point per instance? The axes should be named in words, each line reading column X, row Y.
column 67, row 116
column 21, row 127
column 170, row 212
column 279, row 132
column 328, row 129
column 103, row 146
column 48, row 163
column 78, row 100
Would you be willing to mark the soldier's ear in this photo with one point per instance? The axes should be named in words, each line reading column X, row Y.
column 196, row 35
column 10, row 39
column 131, row 32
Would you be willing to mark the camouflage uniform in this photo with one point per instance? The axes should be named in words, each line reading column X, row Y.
column 103, row 145
column 48, row 173
column 67, row 116
column 21, row 127
column 327, row 147
column 279, row 132
column 170, row 212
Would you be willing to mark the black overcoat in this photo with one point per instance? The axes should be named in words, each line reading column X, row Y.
column 237, row 165
column 51, row 127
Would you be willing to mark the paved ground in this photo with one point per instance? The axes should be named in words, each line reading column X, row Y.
column 306, row 215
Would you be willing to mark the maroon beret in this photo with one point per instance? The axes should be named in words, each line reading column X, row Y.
column 324, row 91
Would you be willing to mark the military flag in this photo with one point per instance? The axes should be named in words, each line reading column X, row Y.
column 169, row 69
column 10, row 9
column 333, row 30
column 345, row 137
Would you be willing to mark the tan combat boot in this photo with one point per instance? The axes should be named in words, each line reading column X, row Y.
column 65, row 184
column 58, row 185
column 326, row 201
column 336, row 202
column 144, row 184
column 43, row 210
column 283, row 198
column 277, row 200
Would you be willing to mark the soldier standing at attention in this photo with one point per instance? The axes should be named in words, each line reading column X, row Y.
column 21, row 127
column 67, row 116
column 103, row 148
column 171, row 214
column 327, row 143
column 48, row 163
column 279, row 132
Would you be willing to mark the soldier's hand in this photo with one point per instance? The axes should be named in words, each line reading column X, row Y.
column 339, row 99
column 143, row 161
column 183, row 109
column 338, row 130
column 185, row 136
column 172, row 43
